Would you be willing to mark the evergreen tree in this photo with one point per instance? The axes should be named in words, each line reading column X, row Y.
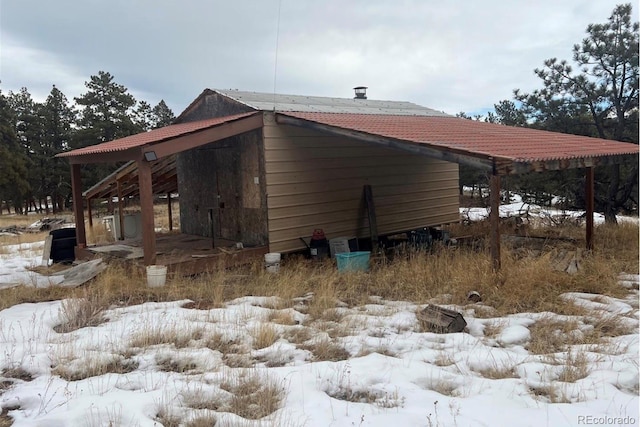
column 58, row 117
column 28, row 126
column 143, row 116
column 599, row 98
column 106, row 113
column 13, row 183
column 162, row 115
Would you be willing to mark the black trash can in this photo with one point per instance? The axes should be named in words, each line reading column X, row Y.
column 63, row 245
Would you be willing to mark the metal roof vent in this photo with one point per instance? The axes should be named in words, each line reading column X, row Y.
column 361, row 92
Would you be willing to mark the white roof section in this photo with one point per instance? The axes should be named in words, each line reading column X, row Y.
column 320, row 104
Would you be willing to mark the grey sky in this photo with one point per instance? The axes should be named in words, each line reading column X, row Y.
column 453, row 56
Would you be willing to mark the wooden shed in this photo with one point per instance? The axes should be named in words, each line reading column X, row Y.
column 273, row 185
column 267, row 169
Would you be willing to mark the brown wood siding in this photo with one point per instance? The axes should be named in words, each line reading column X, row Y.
column 316, row 181
column 226, row 176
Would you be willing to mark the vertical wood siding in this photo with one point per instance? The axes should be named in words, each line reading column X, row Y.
column 226, row 176
column 316, row 180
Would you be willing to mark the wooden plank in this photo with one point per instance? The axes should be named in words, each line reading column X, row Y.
column 89, row 212
column 169, row 211
column 78, row 209
column 146, row 206
column 589, row 196
column 46, row 252
column 371, row 213
column 120, row 211
column 440, row 320
column 494, row 220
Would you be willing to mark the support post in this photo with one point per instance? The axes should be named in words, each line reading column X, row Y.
column 373, row 222
column 89, row 213
column 589, row 195
column 494, row 220
column 146, row 205
column 78, row 209
column 170, row 212
column 120, row 210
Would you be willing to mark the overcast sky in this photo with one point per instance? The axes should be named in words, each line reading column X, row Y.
column 462, row 55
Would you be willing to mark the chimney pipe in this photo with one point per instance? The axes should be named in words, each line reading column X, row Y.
column 361, row 92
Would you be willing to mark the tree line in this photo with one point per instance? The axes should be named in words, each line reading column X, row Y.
column 595, row 94
column 31, row 177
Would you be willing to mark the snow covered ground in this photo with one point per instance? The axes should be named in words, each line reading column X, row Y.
column 371, row 365
column 393, row 374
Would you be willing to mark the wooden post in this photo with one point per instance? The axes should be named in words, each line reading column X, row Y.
column 120, row 211
column 494, row 220
column 170, row 213
column 78, row 209
column 373, row 222
column 588, row 195
column 146, row 205
column 89, row 212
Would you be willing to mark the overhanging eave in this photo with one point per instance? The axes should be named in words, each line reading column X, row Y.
column 477, row 161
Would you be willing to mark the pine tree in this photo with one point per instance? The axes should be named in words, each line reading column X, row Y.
column 162, row 115
column 13, row 182
column 58, row 117
column 598, row 98
column 106, row 113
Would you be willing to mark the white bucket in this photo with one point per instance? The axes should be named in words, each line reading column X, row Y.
column 272, row 262
column 156, row 275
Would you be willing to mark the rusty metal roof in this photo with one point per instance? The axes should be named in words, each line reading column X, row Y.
column 504, row 146
column 153, row 136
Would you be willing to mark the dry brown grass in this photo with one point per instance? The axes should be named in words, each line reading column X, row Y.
column 549, row 393
column 5, row 419
column 219, row 342
column 524, row 284
column 254, row 395
column 93, row 367
column 282, row 317
column 98, row 234
column 264, row 336
column 326, row 350
column 80, row 313
column 175, row 363
column 10, row 220
column 202, row 421
column 576, row 368
column 166, row 417
column 498, row 371
column 18, row 373
column 249, row 394
column 549, row 335
column 161, row 334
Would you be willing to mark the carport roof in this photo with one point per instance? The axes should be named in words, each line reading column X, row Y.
column 503, row 149
column 133, row 146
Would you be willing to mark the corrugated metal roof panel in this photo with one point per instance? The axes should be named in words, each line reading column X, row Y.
column 156, row 135
column 484, row 139
column 319, row 104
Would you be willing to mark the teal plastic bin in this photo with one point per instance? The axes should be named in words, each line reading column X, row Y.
column 353, row 261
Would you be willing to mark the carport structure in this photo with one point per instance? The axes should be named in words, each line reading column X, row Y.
column 497, row 149
column 148, row 152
